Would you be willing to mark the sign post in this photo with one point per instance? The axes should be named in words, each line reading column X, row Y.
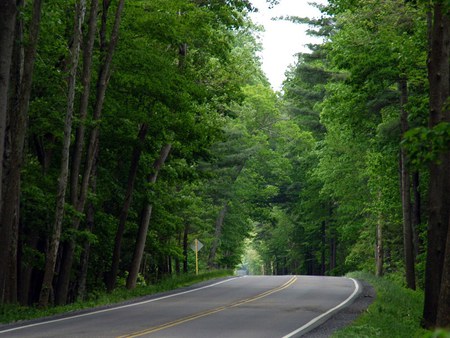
column 196, row 246
column 196, row 256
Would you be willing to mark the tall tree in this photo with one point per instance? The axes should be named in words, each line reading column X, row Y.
column 405, row 181
column 18, row 114
column 8, row 10
column 135, row 156
column 436, row 282
column 102, row 84
column 52, row 250
column 145, row 219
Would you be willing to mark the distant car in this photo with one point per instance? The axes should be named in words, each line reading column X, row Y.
column 241, row 272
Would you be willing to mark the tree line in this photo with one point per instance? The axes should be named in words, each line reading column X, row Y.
column 110, row 111
column 372, row 192
column 130, row 128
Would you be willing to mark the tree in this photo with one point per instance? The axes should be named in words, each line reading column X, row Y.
column 110, row 283
column 408, row 244
column 145, row 219
column 437, row 275
column 8, row 14
column 102, row 84
column 52, row 251
column 14, row 152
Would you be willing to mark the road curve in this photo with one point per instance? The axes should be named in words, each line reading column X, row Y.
column 251, row 306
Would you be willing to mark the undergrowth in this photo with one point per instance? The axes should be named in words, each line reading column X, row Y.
column 396, row 312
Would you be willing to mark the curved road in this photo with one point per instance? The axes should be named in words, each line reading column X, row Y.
column 251, row 306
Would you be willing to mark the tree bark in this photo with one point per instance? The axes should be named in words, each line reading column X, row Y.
column 443, row 311
column 217, row 233
column 50, row 258
column 185, row 247
column 102, row 84
column 219, row 220
column 333, row 251
column 323, row 249
column 408, row 243
column 439, row 189
column 379, row 245
column 145, row 221
column 177, row 257
column 84, row 102
column 90, row 221
column 135, row 157
column 416, row 213
column 17, row 129
column 8, row 13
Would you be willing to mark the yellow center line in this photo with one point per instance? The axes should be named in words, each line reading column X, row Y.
column 208, row 312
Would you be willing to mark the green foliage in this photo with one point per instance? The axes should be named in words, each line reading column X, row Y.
column 306, row 174
column 425, row 145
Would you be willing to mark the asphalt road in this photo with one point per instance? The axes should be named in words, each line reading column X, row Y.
column 251, row 306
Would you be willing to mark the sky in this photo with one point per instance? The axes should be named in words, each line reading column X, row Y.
column 282, row 39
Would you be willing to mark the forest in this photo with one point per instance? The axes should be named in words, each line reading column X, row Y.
column 129, row 129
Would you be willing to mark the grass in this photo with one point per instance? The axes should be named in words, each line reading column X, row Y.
column 396, row 312
column 12, row 313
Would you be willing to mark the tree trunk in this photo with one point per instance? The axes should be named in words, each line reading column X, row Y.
column 439, row 190
column 135, row 157
column 90, row 222
column 145, row 220
column 102, row 84
column 8, row 13
column 379, row 249
column 84, row 102
column 219, row 221
column 18, row 115
column 84, row 261
column 333, row 251
column 323, row 236
column 443, row 311
column 140, row 245
column 177, row 258
column 50, row 259
column 408, row 243
column 416, row 213
column 185, row 247
column 217, row 233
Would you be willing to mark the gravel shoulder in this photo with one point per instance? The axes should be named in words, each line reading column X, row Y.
column 347, row 315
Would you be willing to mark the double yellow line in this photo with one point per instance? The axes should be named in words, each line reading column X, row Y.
column 208, row 312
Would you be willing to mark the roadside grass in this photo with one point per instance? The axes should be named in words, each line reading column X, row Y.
column 10, row 313
column 396, row 312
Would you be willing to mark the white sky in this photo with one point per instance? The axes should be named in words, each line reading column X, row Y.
column 282, row 39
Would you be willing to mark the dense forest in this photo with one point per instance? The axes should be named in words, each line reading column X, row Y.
column 128, row 129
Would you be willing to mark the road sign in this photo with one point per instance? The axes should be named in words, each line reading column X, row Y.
column 196, row 246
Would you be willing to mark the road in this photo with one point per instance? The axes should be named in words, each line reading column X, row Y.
column 251, row 306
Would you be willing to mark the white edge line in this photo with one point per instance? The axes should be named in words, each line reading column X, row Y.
column 114, row 308
column 314, row 320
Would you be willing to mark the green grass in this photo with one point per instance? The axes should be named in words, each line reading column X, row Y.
column 11, row 313
column 396, row 312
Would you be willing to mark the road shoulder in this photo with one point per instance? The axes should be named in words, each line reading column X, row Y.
column 347, row 315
